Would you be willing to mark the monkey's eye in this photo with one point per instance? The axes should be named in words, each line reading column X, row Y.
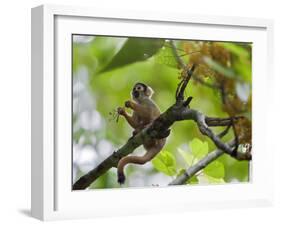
column 139, row 88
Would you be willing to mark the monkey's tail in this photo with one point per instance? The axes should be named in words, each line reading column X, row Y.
column 135, row 160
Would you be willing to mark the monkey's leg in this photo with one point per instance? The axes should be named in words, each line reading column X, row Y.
column 135, row 160
column 131, row 121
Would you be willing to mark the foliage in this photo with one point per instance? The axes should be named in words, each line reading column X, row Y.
column 106, row 68
column 165, row 162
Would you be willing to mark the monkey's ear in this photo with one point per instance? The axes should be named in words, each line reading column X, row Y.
column 149, row 91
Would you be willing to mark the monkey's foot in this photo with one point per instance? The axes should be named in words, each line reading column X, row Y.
column 121, row 178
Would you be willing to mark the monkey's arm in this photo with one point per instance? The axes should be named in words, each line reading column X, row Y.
column 141, row 109
column 130, row 119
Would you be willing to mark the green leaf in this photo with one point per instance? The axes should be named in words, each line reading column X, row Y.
column 165, row 162
column 214, row 169
column 187, row 156
column 134, row 50
column 193, row 180
column 181, row 171
column 198, row 148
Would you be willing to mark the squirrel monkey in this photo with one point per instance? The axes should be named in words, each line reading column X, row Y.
column 145, row 111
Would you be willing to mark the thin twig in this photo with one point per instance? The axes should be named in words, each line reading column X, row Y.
column 224, row 132
column 178, row 58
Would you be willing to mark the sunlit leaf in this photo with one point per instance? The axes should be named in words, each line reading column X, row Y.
column 214, row 169
column 193, row 180
column 198, row 148
column 165, row 162
column 181, row 172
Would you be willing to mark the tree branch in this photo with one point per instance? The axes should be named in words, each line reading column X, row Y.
column 213, row 121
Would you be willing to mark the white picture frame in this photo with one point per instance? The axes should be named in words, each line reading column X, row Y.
column 52, row 197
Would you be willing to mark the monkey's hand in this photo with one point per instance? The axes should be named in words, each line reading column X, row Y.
column 121, row 111
column 129, row 104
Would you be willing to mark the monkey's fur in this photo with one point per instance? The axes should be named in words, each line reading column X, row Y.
column 145, row 111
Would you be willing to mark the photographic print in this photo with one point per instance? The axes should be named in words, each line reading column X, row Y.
column 155, row 112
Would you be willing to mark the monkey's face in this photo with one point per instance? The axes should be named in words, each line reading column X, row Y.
column 141, row 91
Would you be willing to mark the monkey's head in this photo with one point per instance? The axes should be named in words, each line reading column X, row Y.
column 141, row 91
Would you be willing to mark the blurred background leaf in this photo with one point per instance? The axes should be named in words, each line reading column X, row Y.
column 134, row 50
